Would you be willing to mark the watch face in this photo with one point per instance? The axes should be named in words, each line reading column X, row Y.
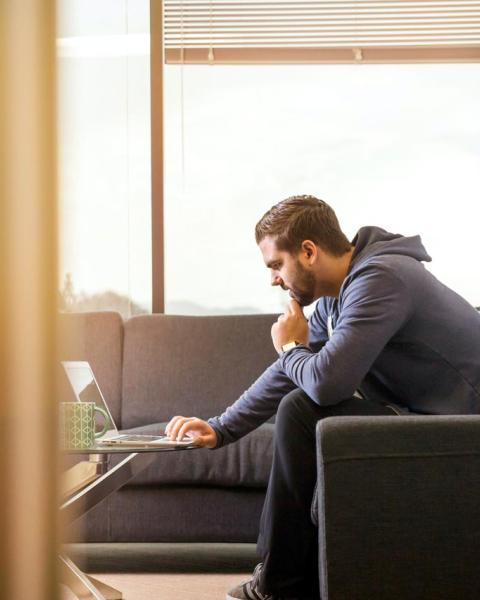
column 288, row 346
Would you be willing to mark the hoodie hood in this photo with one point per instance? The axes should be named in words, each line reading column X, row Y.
column 375, row 241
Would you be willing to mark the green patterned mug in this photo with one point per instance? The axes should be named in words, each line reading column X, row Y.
column 77, row 425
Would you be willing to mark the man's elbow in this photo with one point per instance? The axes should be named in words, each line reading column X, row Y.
column 329, row 393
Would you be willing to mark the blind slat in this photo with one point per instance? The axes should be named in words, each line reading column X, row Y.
column 353, row 3
column 237, row 31
column 193, row 24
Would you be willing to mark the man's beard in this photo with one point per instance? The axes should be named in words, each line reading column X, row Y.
column 303, row 291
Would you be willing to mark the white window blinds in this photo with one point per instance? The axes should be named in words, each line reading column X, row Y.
column 227, row 31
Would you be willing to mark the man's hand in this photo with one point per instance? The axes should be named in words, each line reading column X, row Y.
column 291, row 326
column 199, row 431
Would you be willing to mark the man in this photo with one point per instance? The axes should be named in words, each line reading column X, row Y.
column 386, row 337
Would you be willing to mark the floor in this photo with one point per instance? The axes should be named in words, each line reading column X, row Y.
column 187, row 586
column 166, row 571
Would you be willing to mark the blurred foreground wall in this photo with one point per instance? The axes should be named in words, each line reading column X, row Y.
column 28, row 498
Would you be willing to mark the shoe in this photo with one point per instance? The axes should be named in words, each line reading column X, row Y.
column 249, row 590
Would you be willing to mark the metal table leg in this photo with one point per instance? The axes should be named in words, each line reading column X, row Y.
column 83, row 586
column 83, row 473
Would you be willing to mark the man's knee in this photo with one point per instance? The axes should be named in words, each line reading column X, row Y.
column 293, row 402
column 297, row 416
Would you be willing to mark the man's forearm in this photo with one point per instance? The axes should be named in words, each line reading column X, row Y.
column 255, row 406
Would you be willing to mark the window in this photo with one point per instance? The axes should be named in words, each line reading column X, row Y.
column 104, row 155
column 388, row 144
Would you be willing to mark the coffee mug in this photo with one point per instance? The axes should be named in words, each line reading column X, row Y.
column 77, row 425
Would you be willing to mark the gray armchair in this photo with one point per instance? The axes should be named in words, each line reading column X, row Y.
column 399, row 508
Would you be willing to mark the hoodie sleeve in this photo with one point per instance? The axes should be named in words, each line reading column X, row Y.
column 317, row 325
column 257, row 404
column 374, row 306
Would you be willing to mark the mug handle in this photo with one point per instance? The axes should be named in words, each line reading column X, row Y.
column 107, row 422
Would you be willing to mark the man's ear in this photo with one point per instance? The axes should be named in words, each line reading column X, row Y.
column 310, row 249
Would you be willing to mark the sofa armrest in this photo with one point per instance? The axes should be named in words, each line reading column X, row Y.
column 399, row 507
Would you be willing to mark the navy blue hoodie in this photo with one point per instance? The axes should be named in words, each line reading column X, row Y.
column 395, row 333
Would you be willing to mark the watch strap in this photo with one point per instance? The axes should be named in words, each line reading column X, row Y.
column 288, row 346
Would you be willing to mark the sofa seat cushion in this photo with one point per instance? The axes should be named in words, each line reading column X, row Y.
column 245, row 463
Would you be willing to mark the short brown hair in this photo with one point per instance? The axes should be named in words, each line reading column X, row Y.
column 300, row 218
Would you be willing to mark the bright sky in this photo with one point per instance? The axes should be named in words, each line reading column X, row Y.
column 394, row 146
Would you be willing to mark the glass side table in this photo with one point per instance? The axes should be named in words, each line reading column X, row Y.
column 85, row 485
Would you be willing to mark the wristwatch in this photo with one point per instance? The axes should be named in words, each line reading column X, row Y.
column 288, row 346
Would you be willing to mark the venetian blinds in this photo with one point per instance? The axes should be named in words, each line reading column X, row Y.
column 228, row 31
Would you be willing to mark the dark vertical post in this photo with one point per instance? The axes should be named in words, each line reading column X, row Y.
column 156, row 99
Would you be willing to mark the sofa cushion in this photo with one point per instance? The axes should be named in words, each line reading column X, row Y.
column 96, row 337
column 243, row 464
column 172, row 514
column 193, row 366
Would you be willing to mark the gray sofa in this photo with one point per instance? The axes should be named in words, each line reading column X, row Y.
column 398, row 506
column 150, row 368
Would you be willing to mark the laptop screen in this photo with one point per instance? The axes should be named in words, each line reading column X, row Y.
column 85, row 388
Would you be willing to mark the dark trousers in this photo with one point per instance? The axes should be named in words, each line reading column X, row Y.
column 288, row 540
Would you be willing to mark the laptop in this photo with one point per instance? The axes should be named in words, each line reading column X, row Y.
column 86, row 389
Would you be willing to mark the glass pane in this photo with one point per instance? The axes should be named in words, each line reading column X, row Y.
column 104, row 155
column 395, row 146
